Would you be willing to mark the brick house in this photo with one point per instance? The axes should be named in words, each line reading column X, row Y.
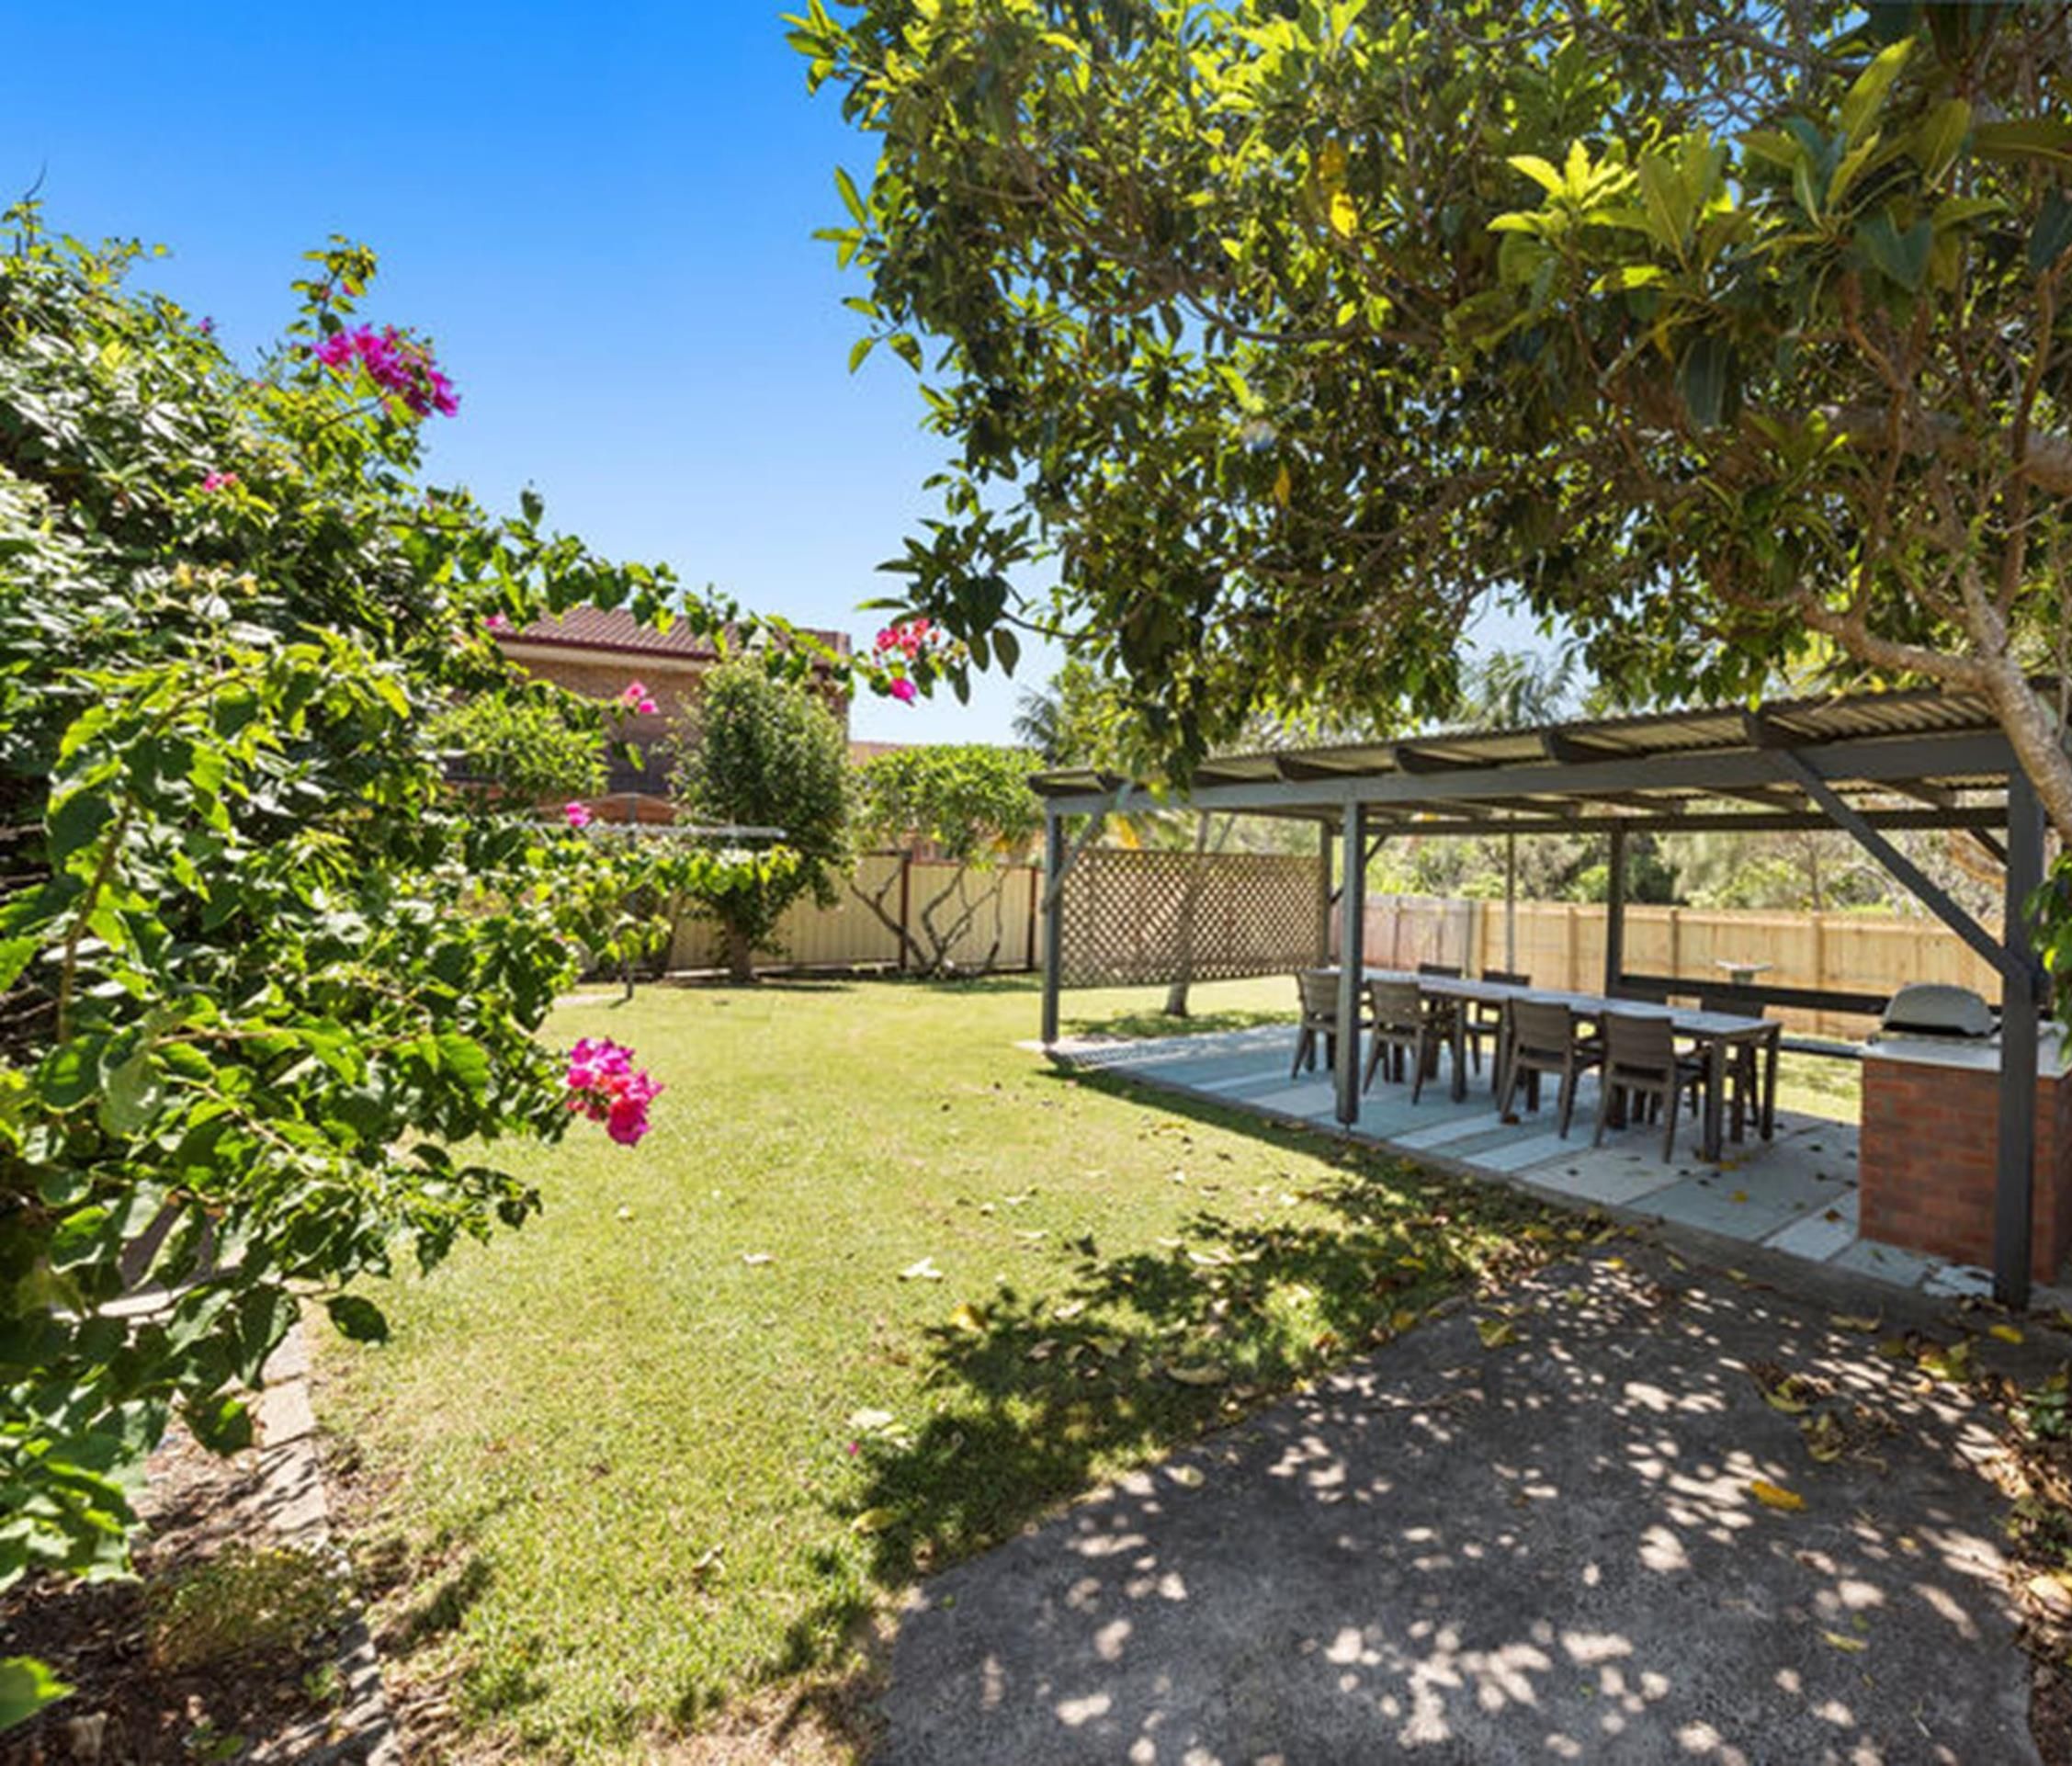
column 598, row 652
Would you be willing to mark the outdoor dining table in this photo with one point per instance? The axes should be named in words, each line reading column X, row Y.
column 1717, row 1034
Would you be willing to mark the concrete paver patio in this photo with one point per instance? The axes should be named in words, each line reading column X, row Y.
column 1546, row 1551
column 1795, row 1194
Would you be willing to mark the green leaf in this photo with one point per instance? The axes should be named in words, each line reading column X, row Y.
column 76, row 820
column 851, row 200
column 2051, row 233
column 2043, row 138
column 1939, row 135
column 221, row 1424
column 860, row 349
column 1703, row 377
column 131, row 1093
column 25, row 1687
column 1540, row 171
column 358, row 1318
column 1868, row 93
column 16, row 955
column 1903, row 256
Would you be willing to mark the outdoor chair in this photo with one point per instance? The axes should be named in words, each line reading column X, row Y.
column 1403, row 1024
column 1317, row 989
column 1641, row 1062
column 1485, row 1018
column 1744, row 1073
column 1546, row 1038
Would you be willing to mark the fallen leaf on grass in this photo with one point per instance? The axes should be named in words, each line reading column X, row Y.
column 1402, row 1319
column 971, row 1319
column 1043, row 1351
column 1107, row 1348
column 867, row 1420
column 1495, row 1332
column 1068, row 1310
column 707, row 1563
column 1207, row 1374
column 873, row 1521
column 924, row 1271
column 1775, row 1495
column 757, row 1259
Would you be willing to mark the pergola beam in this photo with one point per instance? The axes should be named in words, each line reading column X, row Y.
column 1872, row 761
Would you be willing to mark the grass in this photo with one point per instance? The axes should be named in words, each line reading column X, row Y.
column 615, row 1472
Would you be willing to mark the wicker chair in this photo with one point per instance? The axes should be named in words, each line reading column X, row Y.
column 1641, row 1062
column 1545, row 1039
column 1318, row 990
column 1403, row 1024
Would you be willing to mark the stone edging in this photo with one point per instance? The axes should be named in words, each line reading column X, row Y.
column 362, row 1732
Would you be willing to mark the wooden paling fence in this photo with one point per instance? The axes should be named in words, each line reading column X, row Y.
column 899, row 912
column 1562, row 945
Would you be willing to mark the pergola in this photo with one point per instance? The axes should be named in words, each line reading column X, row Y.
column 1868, row 764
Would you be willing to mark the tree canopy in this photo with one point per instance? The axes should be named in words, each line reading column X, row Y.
column 1284, row 333
column 767, row 754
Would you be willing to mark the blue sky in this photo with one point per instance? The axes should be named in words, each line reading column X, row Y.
column 602, row 213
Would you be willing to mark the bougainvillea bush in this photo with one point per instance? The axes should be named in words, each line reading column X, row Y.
column 268, row 986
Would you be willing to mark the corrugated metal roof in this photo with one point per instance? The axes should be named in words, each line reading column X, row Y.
column 1561, row 758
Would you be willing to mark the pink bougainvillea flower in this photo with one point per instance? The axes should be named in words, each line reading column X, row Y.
column 578, row 814
column 219, row 481
column 903, row 690
column 398, row 364
column 497, row 622
column 638, row 698
column 604, row 1085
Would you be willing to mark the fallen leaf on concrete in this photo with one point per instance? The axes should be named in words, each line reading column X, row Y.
column 1189, row 1476
column 1840, row 1642
column 2007, row 1333
column 1495, row 1332
column 1854, row 1322
column 1775, row 1495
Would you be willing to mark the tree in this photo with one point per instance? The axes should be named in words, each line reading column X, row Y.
column 968, row 803
column 768, row 755
column 1730, row 336
column 269, row 989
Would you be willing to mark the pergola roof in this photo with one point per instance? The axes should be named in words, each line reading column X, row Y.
column 1913, row 759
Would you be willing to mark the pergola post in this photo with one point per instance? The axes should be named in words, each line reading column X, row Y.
column 1323, row 894
column 2014, row 1177
column 1615, row 912
column 1352, row 959
column 1053, row 921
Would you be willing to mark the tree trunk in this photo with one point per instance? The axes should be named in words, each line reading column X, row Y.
column 1176, row 995
column 741, row 957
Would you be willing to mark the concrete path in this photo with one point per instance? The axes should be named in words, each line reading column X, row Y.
column 1547, row 1551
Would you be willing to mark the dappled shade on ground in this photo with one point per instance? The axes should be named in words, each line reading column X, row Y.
column 1557, row 1547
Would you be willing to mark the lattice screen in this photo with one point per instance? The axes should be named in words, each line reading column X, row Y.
column 1128, row 916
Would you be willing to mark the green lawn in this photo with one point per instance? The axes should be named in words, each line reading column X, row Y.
column 615, row 1472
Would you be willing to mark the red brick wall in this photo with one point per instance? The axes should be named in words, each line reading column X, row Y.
column 1926, row 1162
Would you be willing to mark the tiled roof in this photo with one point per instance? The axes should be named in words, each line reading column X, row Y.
column 615, row 630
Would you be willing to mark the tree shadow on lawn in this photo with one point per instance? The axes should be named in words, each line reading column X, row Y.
column 1144, row 1350
column 1150, row 1025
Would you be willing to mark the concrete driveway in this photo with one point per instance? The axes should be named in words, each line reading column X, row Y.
column 1544, row 1551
